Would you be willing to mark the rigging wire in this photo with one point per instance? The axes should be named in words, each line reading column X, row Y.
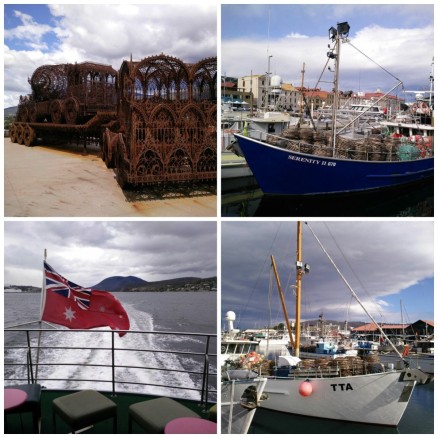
column 353, row 293
column 245, row 307
column 353, row 271
column 378, row 65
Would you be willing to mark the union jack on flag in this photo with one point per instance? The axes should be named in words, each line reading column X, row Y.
column 60, row 285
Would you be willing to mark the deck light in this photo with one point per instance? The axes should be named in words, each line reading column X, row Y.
column 332, row 33
column 343, row 29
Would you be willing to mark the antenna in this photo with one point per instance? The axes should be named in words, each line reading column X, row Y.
column 269, row 27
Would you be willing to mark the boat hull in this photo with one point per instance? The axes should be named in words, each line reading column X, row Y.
column 379, row 398
column 283, row 172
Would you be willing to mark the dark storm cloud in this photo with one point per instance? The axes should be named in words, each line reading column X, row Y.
column 379, row 259
column 87, row 252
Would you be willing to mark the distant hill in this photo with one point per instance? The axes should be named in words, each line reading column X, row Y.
column 135, row 284
column 11, row 111
column 119, row 283
column 334, row 322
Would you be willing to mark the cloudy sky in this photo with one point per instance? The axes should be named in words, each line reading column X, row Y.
column 35, row 35
column 397, row 37
column 88, row 252
column 384, row 262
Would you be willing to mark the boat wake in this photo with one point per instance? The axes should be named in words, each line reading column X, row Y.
column 69, row 360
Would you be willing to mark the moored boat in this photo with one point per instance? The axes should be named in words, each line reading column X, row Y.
column 323, row 162
column 347, row 388
column 233, row 164
column 233, row 344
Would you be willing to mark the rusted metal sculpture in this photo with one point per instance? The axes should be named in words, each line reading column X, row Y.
column 155, row 120
column 168, row 118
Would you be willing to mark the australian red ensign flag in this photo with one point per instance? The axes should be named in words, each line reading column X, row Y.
column 76, row 307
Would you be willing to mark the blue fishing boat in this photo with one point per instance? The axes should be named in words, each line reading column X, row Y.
column 281, row 171
column 352, row 159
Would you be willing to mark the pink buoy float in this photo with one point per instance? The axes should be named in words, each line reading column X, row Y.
column 305, row 389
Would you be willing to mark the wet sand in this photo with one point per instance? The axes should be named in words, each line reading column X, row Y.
column 44, row 181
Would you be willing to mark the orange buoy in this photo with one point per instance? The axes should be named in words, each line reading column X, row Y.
column 305, row 389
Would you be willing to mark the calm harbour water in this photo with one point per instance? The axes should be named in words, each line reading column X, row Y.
column 241, row 197
column 180, row 312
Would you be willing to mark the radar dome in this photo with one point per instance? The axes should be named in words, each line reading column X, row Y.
column 275, row 81
column 230, row 316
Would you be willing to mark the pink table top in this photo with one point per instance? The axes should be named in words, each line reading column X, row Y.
column 14, row 398
column 188, row 425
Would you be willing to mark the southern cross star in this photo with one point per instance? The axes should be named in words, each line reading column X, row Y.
column 69, row 314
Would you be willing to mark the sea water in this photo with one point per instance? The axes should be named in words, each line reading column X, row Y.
column 241, row 197
column 180, row 312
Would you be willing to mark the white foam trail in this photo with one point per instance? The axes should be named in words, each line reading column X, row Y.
column 139, row 321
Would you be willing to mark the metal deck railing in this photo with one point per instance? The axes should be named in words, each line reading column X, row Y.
column 37, row 365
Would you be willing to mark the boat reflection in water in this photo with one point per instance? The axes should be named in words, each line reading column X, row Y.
column 247, row 200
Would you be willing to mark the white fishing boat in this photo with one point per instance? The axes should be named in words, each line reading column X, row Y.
column 264, row 123
column 233, row 344
column 346, row 389
column 267, row 343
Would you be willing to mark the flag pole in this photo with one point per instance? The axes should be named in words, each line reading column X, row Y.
column 42, row 304
column 43, row 290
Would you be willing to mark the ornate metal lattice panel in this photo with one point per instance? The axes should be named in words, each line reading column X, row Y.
column 155, row 119
column 168, row 109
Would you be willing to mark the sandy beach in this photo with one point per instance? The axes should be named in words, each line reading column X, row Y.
column 44, row 181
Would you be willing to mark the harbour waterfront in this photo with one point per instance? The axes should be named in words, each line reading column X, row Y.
column 242, row 197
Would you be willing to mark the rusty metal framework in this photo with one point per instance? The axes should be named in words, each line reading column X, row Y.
column 69, row 93
column 155, row 119
column 168, row 117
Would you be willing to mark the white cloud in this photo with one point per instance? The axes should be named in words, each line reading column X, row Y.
column 380, row 260
column 296, row 35
column 29, row 32
column 405, row 53
column 88, row 252
column 107, row 34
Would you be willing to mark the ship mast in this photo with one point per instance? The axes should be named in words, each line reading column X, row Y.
column 283, row 304
column 298, row 290
column 338, row 34
column 301, row 269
